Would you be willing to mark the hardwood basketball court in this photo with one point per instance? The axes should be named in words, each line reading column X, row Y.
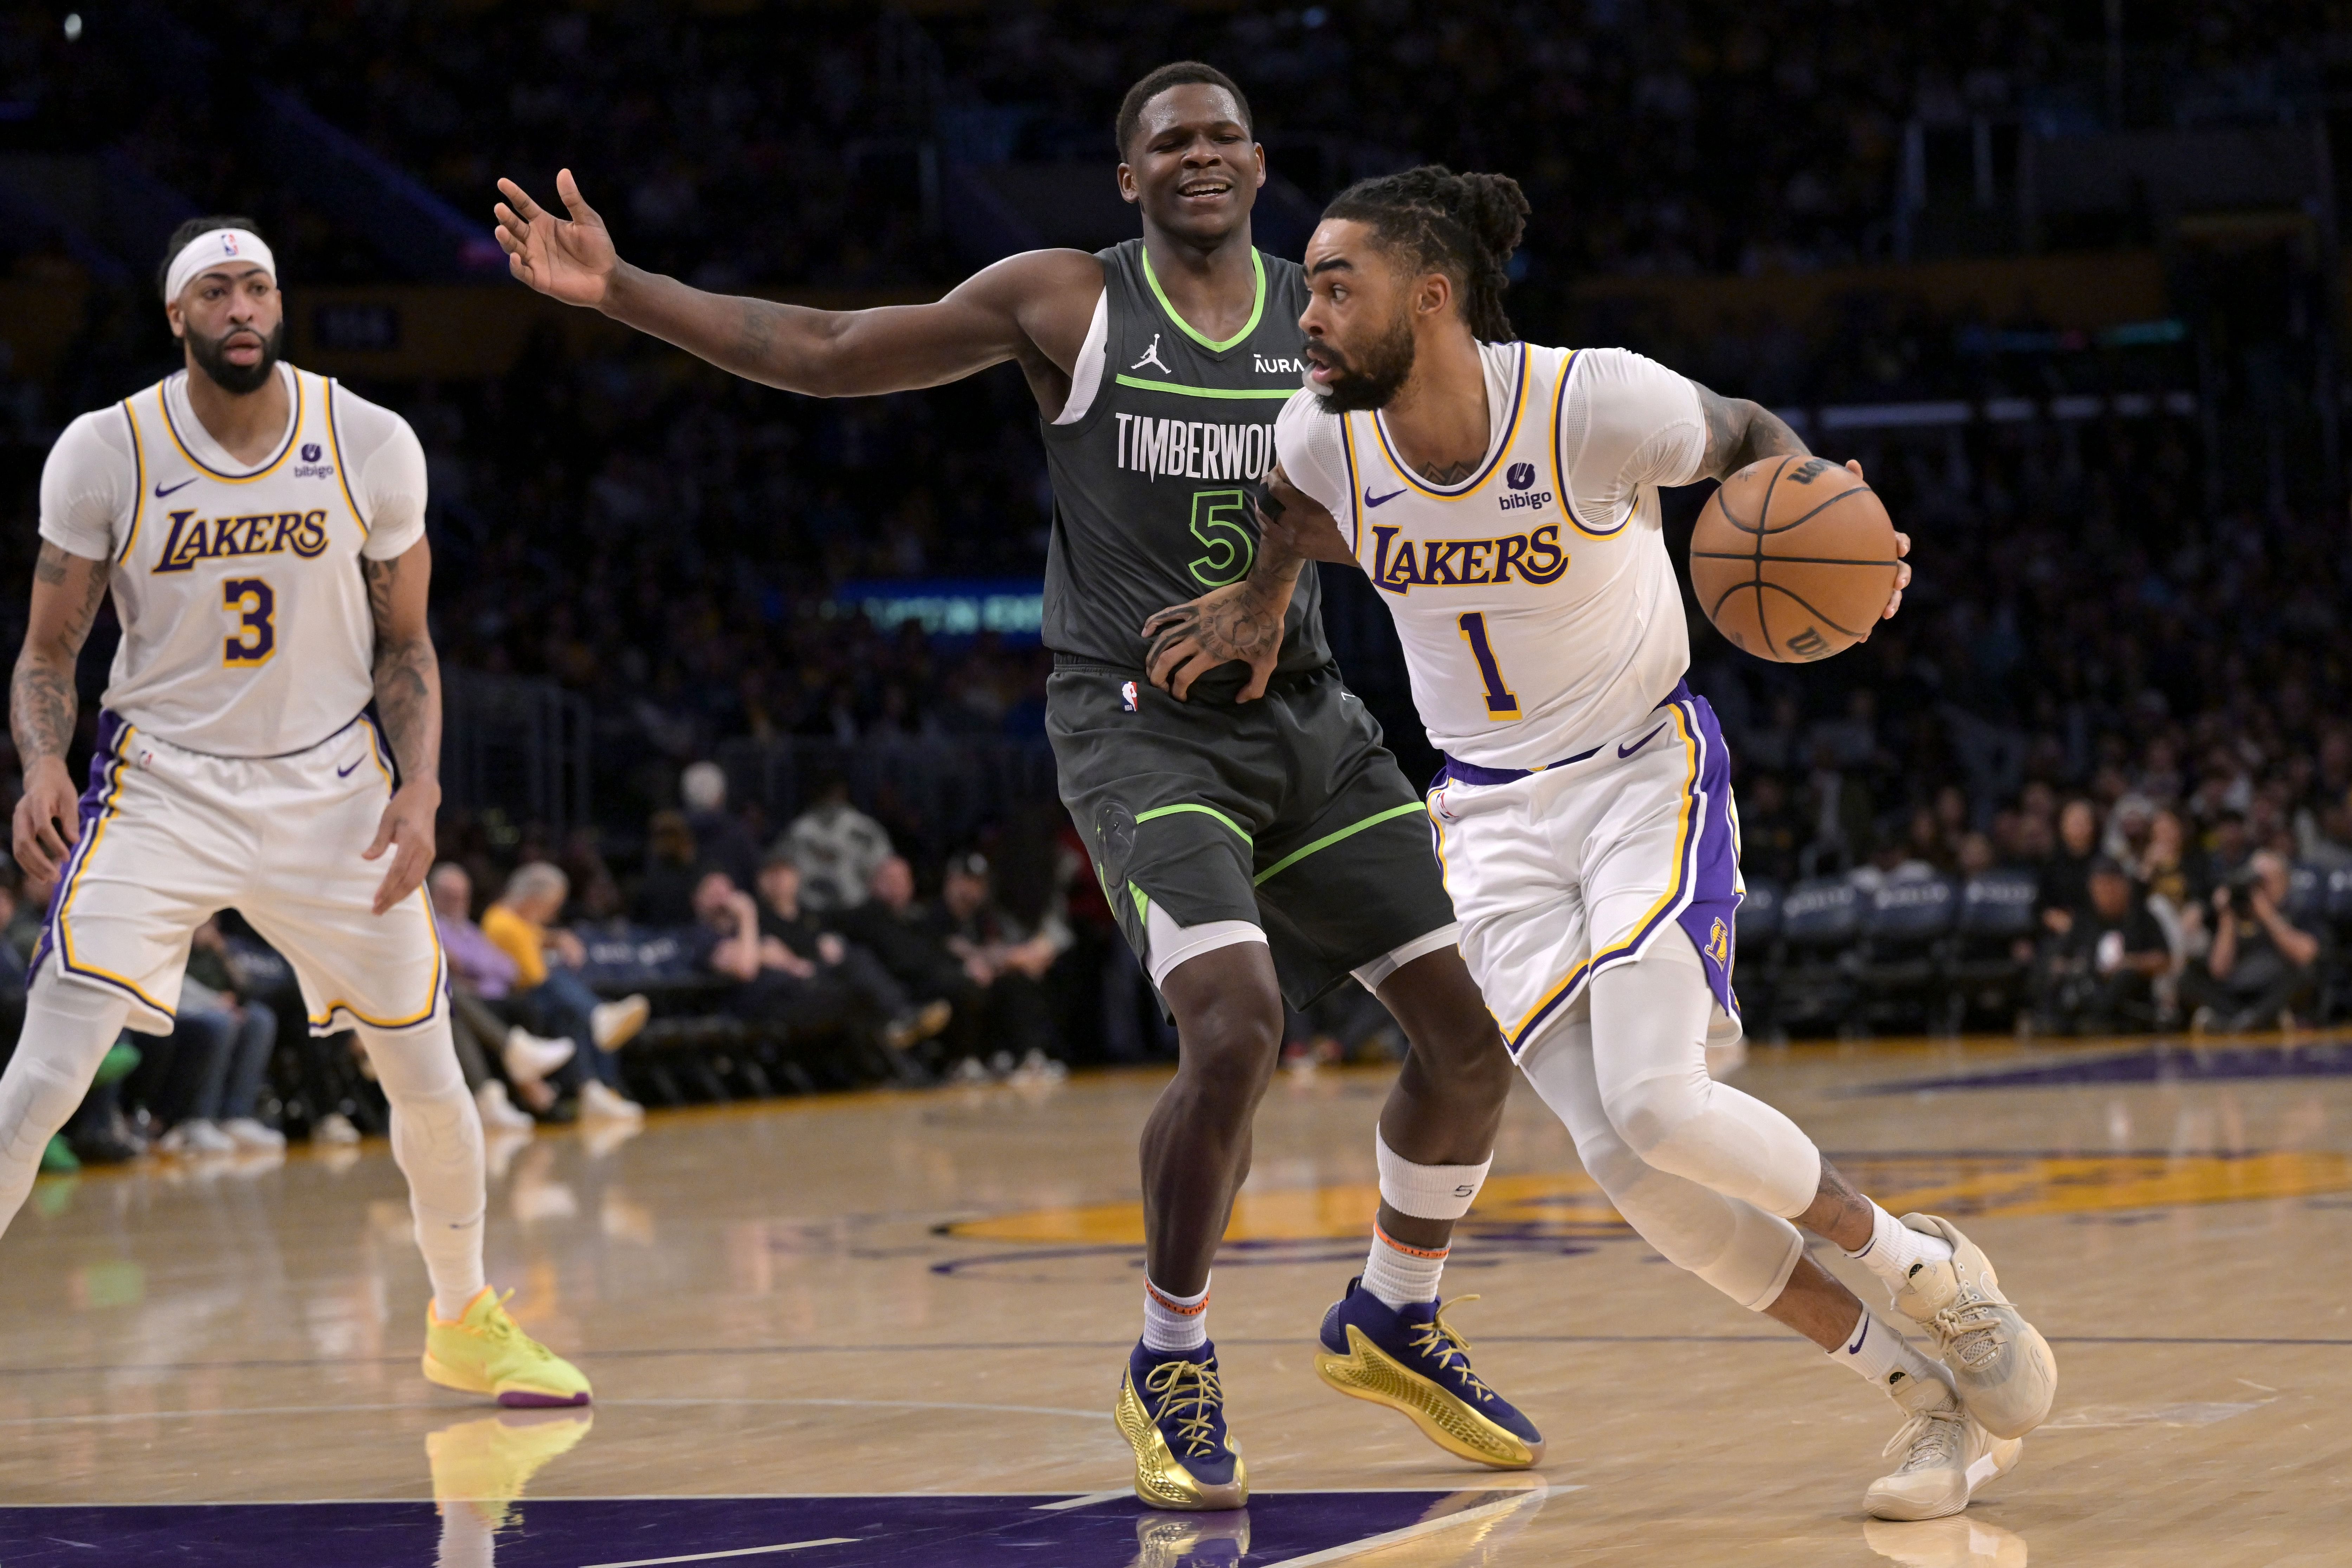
column 887, row 1327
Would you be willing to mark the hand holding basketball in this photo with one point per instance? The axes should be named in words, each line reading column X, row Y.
column 1794, row 559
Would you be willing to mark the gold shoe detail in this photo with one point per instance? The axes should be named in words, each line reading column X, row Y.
column 1160, row 1479
column 1367, row 1372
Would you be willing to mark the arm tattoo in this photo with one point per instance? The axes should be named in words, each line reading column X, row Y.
column 407, row 680
column 42, row 699
column 1739, row 432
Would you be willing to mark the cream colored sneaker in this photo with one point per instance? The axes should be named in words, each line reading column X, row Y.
column 1946, row 1455
column 596, row 1102
column 616, row 1023
column 2000, row 1365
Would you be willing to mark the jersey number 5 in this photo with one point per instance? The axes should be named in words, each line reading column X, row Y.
column 249, row 599
column 1500, row 701
column 1217, row 522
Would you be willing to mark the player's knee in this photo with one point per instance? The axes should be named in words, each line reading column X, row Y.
column 1230, row 1048
column 1656, row 1114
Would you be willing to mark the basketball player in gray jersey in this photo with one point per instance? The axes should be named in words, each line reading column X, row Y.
column 1257, row 839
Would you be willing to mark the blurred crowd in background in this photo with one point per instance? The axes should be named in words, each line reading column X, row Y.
column 2127, row 617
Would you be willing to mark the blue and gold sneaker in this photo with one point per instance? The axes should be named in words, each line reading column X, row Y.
column 1171, row 1411
column 1411, row 1359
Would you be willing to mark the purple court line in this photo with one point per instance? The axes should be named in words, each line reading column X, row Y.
column 2321, row 1341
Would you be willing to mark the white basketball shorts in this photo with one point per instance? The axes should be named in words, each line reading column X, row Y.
column 1561, row 871
column 170, row 837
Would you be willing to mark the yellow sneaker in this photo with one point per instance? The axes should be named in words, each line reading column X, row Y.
column 486, row 1352
column 485, row 1463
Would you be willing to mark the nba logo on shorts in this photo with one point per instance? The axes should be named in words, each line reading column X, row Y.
column 1718, row 942
column 1127, row 695
column 1520, row 475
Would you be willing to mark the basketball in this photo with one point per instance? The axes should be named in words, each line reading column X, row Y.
column 1793, row 558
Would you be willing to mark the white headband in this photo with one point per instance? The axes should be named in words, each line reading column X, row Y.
column 210, row 249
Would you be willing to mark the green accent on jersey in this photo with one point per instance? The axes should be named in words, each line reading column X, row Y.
column 1142, row 904
column 1328, row 839
column 1282, row 392
column 1257, row 308
column 1215, row 515
column 1143, row 816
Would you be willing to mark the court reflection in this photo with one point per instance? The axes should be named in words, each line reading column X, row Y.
column 480, row 1468
column 1960, row 1542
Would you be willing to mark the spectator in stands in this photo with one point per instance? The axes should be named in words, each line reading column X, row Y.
column 838, row 849
column 237, row 1041
column 720, row 839
column 1008, row 965
column 482, row 975
column 665, row 895
column 775, row 986
column 782, row 922
column 2262, row 966
column 2099, row 969
column 1771, row 833
column 2066, row 874
column 558, row 1002
column 897, row 931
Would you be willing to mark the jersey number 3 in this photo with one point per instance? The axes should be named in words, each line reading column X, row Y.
column 249, row 599
column 1501, row 703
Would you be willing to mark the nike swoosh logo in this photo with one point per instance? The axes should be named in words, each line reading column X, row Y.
column 163, row 491
column 1629, row 750
column 1372, row 499
column 346, row 772
column 1855, row 1348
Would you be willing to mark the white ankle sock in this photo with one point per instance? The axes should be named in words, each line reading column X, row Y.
column 1876, row 1352
column 1400, row 1275
column 1172, row 1323
column 1894, row 1248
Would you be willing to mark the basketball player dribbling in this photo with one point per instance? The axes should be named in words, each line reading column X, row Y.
column 1503, row 499
column 269, row 741
column 1256, row 842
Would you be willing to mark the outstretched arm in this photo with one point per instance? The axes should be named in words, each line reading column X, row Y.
column 408, row 701
column 1740, row 431
column 1244, row 620
column 1032, row 308
column 67, row 591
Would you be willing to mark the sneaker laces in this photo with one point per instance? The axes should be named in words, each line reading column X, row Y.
column 1969, row 1329
column 1190, row 1386
column 1444, row 1343
column 1934, row 1438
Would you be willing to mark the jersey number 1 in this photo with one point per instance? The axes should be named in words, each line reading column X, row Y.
column 1500, row 701
column 251, row 599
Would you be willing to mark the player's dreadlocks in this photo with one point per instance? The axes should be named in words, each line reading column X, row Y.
column 1464, row 226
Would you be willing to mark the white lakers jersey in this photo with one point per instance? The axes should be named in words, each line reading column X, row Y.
column 246, row 627
column 1537, row 606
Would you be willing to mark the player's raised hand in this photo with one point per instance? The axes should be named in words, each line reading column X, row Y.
column 406, row 829
column 570, row 259
column 47, row 825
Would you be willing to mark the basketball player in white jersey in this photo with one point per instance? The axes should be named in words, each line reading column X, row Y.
column 1503, row 499
column 269, row 741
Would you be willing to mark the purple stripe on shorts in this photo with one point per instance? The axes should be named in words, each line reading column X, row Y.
column 1711, row 918
column 93, row 801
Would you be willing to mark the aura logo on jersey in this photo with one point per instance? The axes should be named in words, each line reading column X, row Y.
column 1277, row 367
column 1398, row 567
column 223, row 538
column 1193, row 449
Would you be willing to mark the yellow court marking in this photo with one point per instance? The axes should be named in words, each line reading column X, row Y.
column 1977, row 1186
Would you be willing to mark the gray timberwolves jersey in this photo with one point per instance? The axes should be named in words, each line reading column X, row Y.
column 1149, row 508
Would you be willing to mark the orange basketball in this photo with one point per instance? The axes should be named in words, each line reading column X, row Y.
column 1793, row 559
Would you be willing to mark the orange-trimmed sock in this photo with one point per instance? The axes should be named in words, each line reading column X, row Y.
column 1400, row 1275
column 1173, row 1322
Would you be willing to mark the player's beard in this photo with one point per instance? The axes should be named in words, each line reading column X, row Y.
column 234, row 377
column 1374, row 379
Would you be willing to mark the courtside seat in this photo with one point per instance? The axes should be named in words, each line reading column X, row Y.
column 1905, row 931
column 1820, row 923
column 1985, row 977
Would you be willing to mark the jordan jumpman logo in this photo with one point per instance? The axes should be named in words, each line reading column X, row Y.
column 1151, row 357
